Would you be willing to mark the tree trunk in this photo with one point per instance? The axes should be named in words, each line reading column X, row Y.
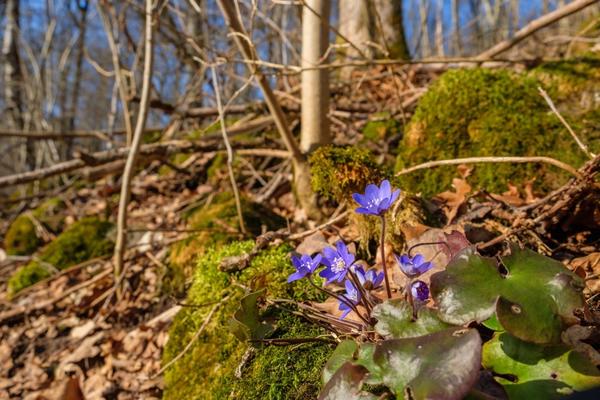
column 13, row 77
column 391, row 34
column 315, row 82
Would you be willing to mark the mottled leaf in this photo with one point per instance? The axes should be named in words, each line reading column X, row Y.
column 439, row 365
column 246, row 324
column 346, row 384
column 531, row 371
column 535, row 300
column 342, row 353
column 394, row 320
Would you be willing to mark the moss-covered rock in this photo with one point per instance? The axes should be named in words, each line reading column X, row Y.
column 479, row 112
column 84, row 240
column 339, row 171
column 207, row 369
column 217, row 224
column 22, row 238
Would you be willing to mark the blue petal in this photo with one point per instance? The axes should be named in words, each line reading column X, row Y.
column 418, row 259
column 386, row 189
column 363, row 210
column 424, row 267
column 326, row 273
column 297, row 262
column 296, row 275
column 359, row 198
column 372, row 192
column 394, row 196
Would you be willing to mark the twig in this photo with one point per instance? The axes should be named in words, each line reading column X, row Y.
column 481, row 160
column 193, row 339
column 581, row 145
column 234, row 188
column 535, row 26
column 121, row 240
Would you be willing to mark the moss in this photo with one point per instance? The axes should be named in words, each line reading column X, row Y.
column 339, row 171
column 279, row 373
column 206, row 370
column 217, row 224
column 380, row 127
column 573, row 83
column 478, row 112
column 82, row 241
column 21, row 237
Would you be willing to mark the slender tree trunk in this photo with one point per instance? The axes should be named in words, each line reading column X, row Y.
column 72, row 111
column 13, row 77
column 391, row 33
column 456, row 38
column 315, row 82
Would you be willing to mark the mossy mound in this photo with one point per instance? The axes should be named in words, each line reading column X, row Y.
column 207, row 369
column 22, row 238
column 380, row 127
column 217, row 224
column 479, row 112
column 339, row 171
column 80, row 242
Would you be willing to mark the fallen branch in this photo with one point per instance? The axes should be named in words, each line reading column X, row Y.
column 481, row 160
column 535, row 26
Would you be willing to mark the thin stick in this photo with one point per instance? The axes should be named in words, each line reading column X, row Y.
column 535, row 26
column 482, row 160
column 581, row 145
column 194, row 338
column 236, row 193
column 341, row 299
column 121, row 240
column 383, row 262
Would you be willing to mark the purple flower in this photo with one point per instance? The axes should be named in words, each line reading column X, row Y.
column 413, row 267
column 369, row 280
column 352, row 296
column 305, row 265
column 419, row 290
column 376, row 200
column 337, row 261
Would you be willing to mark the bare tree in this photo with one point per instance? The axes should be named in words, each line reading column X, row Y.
column 315, row 82
column 13, row 77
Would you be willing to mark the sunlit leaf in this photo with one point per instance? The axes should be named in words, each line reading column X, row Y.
column 342, row 353
column 535, row 300
column 246, row 324
column 395, row 320
column 439, row 365
column 346, row 384
column 530, row 371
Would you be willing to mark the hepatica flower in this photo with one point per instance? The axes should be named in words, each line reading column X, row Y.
column 305, row 265
column 369, row 280
column 337, row 261
column 352, row 296
column 376, row 200
column 419, row 290
column 413, row 266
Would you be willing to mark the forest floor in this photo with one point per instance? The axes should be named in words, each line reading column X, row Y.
column 69, row 337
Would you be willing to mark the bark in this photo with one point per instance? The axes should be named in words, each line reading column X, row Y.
column 13, row 77
column 315, row 82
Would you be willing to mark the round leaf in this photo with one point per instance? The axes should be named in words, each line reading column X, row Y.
column 342, row 353
column 346, row 384
column 439, row 365
column 532, row 371
column 535, row 301
column 394, row 320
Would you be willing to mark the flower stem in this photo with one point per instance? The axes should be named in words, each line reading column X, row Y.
column 411, row 300
column 341, row 299
column 363, row 292
column 382, row 244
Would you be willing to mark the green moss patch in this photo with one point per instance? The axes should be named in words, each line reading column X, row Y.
column 21, row 237
column 82, row 241
column 380, row 127
column 217, row 224
column 207, row 369
column 479, row 112
column 339, row 171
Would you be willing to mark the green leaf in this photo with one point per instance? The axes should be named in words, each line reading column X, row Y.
column 394, row 320
column 439, row 365
column 492, row 323
column 246, row 324
column 531, row 371
column 535, row 301
column 346, row 384
column 342, row 353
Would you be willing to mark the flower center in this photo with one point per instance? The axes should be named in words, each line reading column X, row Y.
column 338, row 265
column 373, row 203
